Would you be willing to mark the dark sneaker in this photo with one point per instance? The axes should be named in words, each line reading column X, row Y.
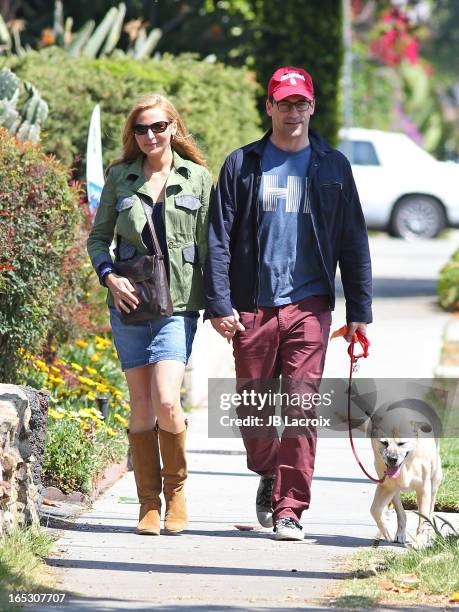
column 288, row 529
column 264, row 504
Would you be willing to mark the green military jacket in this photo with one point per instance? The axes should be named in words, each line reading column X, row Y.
column 186, row 209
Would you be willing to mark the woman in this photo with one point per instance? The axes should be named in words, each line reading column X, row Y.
column 161, row 165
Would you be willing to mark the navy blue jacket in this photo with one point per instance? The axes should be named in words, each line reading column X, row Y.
column 232, row 269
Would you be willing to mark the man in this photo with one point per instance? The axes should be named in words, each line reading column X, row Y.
column 286, row 212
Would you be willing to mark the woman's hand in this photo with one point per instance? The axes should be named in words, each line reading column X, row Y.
column 122, row 291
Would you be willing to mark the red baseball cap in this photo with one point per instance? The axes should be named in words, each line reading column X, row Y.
column 290, row 81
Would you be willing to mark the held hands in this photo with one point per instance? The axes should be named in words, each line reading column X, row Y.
column 227, row 326
column 122, row 291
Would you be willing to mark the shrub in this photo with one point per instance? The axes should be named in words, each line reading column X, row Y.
column 448, row 284
column 292, row 34
column 74, row 457
column 39, row 214
column 68, row 461
column 216, row 102
column 79, row 443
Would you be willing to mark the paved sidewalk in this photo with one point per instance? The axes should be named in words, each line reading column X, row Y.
column 213, row 566
column 213, row 563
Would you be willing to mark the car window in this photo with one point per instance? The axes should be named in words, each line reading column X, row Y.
column 362, row 153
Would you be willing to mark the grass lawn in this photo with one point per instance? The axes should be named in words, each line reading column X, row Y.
column 448, row 493
column 383, row 576
column 429, row 576
column 21, row 563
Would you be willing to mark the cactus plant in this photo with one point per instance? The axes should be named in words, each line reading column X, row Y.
column 9, row 95
column 25, row 124
column 145, row 49
column 9, row 116
column 115, row 32
column 5, row 37
column 96, row 41
column 9, row 86
column 90, row 41
column 28, row 132
column 81, row 38
column 35, row 109
column 59, row 23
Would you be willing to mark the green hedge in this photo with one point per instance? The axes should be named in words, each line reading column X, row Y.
column 218, row 103
column 308, row 35
column 39, row 218
column 448, row 284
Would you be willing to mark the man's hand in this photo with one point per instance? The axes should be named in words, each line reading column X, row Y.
column 352, row 328
column 227, row 326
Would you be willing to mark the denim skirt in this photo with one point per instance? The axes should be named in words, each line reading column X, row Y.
column 156, row 340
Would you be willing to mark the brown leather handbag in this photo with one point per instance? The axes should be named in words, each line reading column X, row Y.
column 147, row 273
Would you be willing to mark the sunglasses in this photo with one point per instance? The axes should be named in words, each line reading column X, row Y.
column 157, row 128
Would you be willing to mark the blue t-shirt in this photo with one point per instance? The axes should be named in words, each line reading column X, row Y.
column 290, row 268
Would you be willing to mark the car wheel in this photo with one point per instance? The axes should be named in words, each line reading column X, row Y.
column 417, row 217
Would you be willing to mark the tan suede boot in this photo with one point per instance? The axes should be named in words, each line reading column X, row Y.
column 174, row 474
column 147, row 473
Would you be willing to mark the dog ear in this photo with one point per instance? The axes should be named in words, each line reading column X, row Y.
column 423, row 426
column 431, row 421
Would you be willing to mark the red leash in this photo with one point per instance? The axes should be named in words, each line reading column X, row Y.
column 364, row 343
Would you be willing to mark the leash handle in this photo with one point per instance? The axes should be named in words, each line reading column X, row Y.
column 365, row 344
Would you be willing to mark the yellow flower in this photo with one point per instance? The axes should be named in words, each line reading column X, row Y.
column 103, row 341
column 95, row 357
column 110, row 431
column 41, row 365
column 85, row 413
column 91, row 371
column 54, row 414
column 121, row 420
column 76, row 366
column 91, row 396
column 95, row 414
column 81, row 343
column 56, row 380
column 54, row 369
column 86, row 381
column 101, row 388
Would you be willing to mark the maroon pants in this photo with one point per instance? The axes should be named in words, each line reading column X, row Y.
column 288, row 341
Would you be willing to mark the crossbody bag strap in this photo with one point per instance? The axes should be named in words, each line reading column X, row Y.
column 148, row 210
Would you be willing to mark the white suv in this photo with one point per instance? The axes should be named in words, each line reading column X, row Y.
column 403, row 189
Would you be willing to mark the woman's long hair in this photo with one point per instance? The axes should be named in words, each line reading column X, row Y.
column 182, row 141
